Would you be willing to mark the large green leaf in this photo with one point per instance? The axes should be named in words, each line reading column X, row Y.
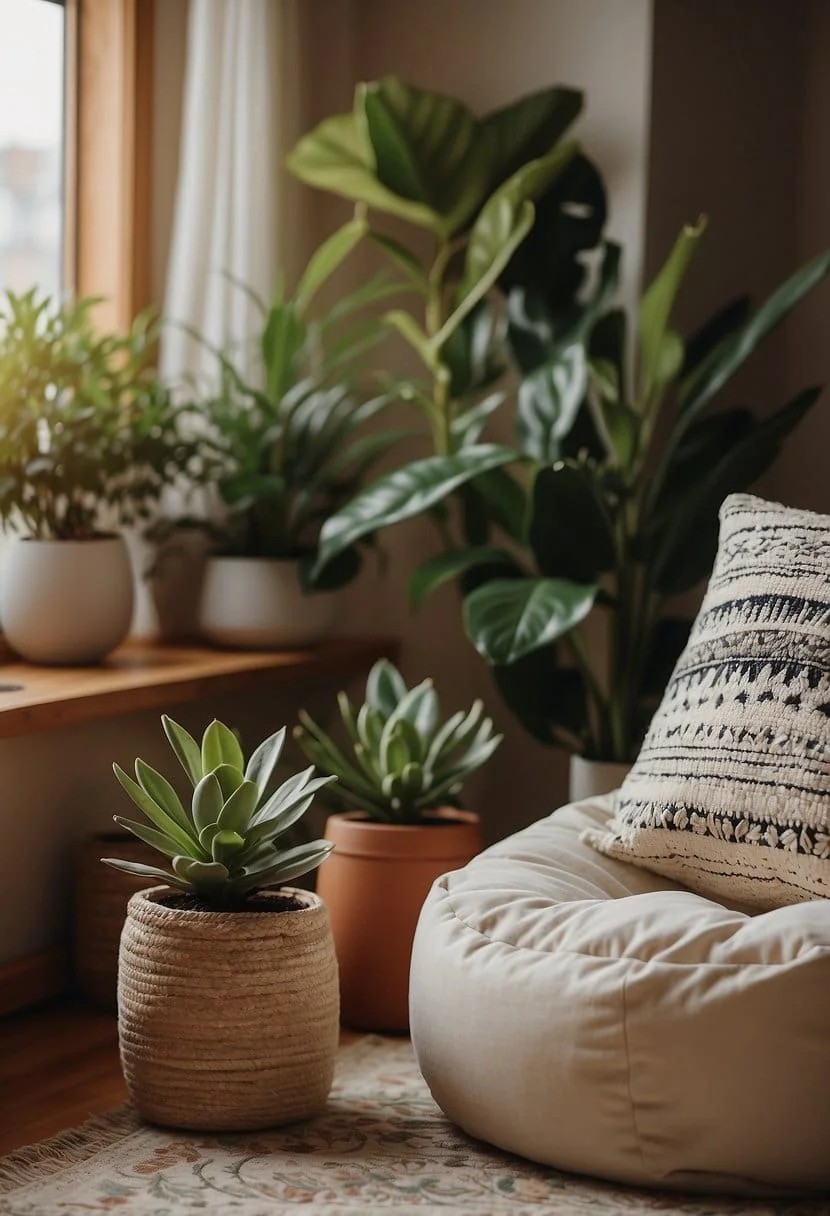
column 220, row 746
column 687, row 542
column 529, row 128
column 282, row 340
column 337, row 156
column 549, row 400
column 509, row 618
column 713, row 373
column 501, row 226
column 428, row 149
column 158, row 817
column 542, row 694
column 405, row 493
column 570, row 532
column 656, row 309
column 448, row 565
column 326, row 259
column 186, row 748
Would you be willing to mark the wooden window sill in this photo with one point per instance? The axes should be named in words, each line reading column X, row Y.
column 141, row 676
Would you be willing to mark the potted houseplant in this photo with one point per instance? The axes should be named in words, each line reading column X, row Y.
column 399, row 776
column 606, row 505
column 89, row 438
column 286, row 448
column 227, row 988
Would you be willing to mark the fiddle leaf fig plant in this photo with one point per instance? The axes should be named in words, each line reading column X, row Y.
column 223, row 846
column 89, row 436
column 402, row 760
column 472, row 184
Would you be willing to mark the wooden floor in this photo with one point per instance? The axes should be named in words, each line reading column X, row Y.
column 58, row 1066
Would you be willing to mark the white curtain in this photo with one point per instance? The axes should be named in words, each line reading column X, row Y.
column 235, row 205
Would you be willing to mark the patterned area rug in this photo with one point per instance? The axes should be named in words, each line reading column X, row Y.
column 382, row 1145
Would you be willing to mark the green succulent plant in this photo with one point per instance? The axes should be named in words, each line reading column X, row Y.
column 223, row 847
column 405, row 761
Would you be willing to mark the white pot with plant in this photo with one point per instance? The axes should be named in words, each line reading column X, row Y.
column 90, row 439
column 399, row 780
column 286, row 449
column 227, row 983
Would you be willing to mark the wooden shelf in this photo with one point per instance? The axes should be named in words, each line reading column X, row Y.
column 141, row 676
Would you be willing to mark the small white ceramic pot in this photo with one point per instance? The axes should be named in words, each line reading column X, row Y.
column 66, row 601
column 258, row 602
column 592, row 778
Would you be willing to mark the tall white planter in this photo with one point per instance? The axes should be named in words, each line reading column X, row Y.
column 592, row 778
column 66, row 601
column 258, row 602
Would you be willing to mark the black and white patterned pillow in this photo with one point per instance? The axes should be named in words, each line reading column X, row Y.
column 730, row 794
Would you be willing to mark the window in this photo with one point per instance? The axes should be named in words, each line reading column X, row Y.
column 31, row 144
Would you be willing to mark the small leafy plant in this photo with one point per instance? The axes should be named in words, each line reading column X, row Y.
column 223, row 847
column 89, row 436
column 289, row 446
column 405, row 761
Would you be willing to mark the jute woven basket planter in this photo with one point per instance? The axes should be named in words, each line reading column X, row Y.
column 228, row 1021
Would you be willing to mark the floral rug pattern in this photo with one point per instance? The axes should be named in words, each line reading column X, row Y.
column 381, row 1145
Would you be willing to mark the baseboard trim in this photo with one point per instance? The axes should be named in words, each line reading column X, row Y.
column 34, row 978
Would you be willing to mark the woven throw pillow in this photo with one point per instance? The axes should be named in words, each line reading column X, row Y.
column 730, row 794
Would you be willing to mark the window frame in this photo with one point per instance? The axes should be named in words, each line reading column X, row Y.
column 108, row 155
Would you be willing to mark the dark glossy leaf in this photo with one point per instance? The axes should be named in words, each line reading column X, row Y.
column 549, row 400
column 451, row 564
column 403, row 494
column 724, row 322
column 687, row 541
column 528, row 128
column 721, row 364
column 339, row 572
column 543, row 694
column 505, row 499
column 549, row 264
column 570, row 532
column 501, row 225
column 507, row 619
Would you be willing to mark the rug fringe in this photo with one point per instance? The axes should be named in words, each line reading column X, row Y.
column 39, row 1161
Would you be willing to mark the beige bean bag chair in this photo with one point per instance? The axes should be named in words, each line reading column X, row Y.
column 595, row 1017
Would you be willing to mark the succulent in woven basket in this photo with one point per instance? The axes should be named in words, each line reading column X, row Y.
column 405, row 761
column 224, row 846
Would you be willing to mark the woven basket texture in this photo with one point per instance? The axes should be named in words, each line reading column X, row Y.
column 227, row 1021
column 101, row 895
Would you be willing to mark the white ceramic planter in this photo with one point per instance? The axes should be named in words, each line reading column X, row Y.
column 592, row 778
column 66, row 601
column 258, row 602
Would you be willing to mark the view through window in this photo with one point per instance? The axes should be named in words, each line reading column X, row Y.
column 31, row 144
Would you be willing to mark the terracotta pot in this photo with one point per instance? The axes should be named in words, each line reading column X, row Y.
column 227, row 1021
column 592, row 778
column 66, row 601
column 374, row 884
column 253, row 602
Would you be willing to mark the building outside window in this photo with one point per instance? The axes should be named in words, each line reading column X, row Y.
column 31, row 145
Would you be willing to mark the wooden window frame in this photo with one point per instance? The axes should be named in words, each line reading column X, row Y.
column 108, row 158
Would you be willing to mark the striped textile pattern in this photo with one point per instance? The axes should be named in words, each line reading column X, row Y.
column 730, row 794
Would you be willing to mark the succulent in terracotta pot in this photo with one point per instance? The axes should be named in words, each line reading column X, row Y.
column 400, row 778
column 227, row 986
